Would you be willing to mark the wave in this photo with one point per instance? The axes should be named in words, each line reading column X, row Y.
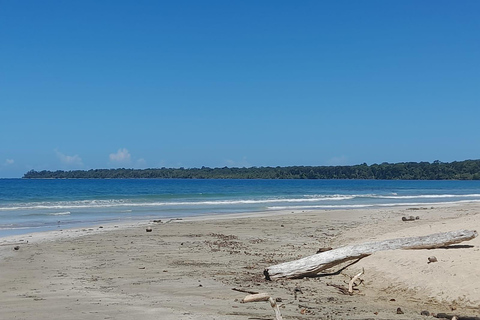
column 370, row 205
column 395, row 196
column 123, row 203
column 64, row 206
column 13, row 227
column 66, row 213
column 430, row 196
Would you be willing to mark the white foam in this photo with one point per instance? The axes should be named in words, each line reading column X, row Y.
column 372, row 205
column 88, row 204
column 59, row 213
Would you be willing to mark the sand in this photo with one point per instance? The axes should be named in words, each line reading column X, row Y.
column 186, row 269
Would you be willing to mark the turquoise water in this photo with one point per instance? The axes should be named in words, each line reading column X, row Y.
column 39, row 205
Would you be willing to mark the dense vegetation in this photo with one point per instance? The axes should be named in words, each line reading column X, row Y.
column 461, row 170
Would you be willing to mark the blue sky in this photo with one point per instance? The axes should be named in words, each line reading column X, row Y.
column 137, row 84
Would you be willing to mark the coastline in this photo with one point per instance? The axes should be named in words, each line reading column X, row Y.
column 186, row 269
column 34, row 206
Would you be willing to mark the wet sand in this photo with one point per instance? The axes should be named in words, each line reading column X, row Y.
column 187, row 269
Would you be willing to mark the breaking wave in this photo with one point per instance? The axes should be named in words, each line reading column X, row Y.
column 390, row 199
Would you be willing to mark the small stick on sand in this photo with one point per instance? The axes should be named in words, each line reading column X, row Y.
column 264, row 297
column 352, row 282
column 245, row 291
column 340, row 288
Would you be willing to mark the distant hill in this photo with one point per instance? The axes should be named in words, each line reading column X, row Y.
column 458, row 170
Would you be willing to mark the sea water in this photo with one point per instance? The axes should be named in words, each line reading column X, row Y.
column 40, row 205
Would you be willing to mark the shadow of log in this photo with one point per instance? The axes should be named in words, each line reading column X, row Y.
column 336, row 273
column 458, row 246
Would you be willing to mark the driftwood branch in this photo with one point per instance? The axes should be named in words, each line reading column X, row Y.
column 312, row 265
column 245, row 291
column 452, row 316
column 257, row 297
column 340, row 288
column 352, row 282
column 264, row 297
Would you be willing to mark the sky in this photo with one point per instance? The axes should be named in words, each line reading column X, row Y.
column 148, row 84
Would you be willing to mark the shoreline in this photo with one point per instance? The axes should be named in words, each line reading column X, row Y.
column 186, row 269
column 88, row 226
column 77, row 204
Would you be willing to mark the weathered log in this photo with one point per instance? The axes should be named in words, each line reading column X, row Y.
column 311, row 266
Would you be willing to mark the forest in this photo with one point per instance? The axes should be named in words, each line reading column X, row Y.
column 437, row 170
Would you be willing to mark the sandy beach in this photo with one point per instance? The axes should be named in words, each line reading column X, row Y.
column 188, row 269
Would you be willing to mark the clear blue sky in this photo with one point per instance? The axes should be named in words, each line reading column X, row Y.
column 137, row 84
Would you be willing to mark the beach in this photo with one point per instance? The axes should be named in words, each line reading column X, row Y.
column 202, row 267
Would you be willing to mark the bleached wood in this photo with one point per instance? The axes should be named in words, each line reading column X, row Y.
column 276, row 309
column 352, row 282
column 264, row 297
column 312, row 265
column 256, row 297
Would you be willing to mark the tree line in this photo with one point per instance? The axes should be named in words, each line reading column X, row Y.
column 437, row 170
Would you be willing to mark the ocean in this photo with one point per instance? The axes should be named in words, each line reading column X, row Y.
column 40, row 205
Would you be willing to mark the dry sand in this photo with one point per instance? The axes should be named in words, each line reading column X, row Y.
column 186, row 269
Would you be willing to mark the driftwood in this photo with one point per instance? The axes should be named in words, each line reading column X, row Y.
column 340, row 288
column 452, row 316
column 347, row 291
column 311, row 266
column 264, row 297
column 245, row 291
column 352, row 282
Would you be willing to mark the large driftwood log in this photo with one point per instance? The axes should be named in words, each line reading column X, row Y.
column 311, row 266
